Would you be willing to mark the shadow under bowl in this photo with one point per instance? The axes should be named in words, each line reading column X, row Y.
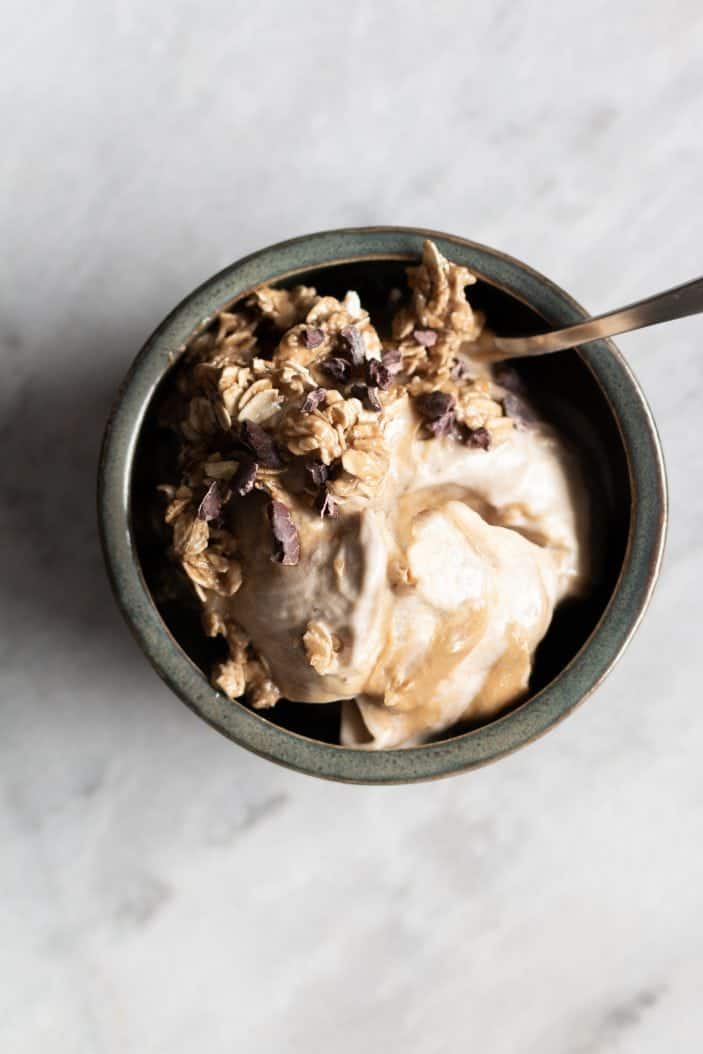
column 589, row 394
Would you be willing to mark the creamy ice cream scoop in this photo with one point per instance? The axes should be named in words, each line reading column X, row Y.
column 378, row 522
column 425, row 606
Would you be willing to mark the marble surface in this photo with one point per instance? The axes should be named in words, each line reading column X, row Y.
column 162, row 891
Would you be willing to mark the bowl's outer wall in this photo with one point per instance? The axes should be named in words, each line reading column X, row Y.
column 579, row 678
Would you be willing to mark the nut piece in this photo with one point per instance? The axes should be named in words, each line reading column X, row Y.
column 283, row 307
column 233, row 382
column 261, row 692
column 260, row 402
column 229, row 678
column 321, row 647
column 244, row 673
column 234, row 341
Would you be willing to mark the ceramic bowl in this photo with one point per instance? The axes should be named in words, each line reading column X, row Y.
column 591, row 394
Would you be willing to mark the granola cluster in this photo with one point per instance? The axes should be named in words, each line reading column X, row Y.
column 289, row 394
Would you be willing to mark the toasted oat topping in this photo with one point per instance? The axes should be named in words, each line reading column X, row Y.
column 289, row 394
column 321, row 647
column 244, row 673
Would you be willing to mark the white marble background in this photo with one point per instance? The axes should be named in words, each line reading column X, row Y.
column 161, row 890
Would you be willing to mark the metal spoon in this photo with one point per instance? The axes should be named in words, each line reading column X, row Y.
column 682, row 300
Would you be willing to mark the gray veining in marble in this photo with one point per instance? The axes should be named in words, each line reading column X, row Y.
column 162, row 891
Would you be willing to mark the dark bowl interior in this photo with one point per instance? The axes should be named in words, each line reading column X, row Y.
column 562, row 388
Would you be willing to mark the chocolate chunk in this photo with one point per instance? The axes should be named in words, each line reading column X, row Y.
column 325, row 504
column 480, row 438
column 433, row 405
column 442, row 426
column 312, row 338
column 378, row 374
column 437, row 408
column 314, row 400
column 353, row 344
column 460, row 369
column 260, row 443
column 244, row 477
column 216, row 497
column 426, row 337
column 318, row 472
column 337, row 368
column 368, row 397
column 286, row 547
column 517, row 408
column 392, row 360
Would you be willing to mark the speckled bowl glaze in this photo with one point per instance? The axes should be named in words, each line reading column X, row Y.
column 602, row 387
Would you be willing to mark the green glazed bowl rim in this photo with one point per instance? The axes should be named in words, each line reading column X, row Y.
column 520, row 726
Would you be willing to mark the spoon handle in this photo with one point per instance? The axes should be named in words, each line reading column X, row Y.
column 682, row 300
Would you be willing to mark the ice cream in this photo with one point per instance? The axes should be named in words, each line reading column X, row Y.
column 381, row 522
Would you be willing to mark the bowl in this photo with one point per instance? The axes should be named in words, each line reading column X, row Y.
column 590, row 393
